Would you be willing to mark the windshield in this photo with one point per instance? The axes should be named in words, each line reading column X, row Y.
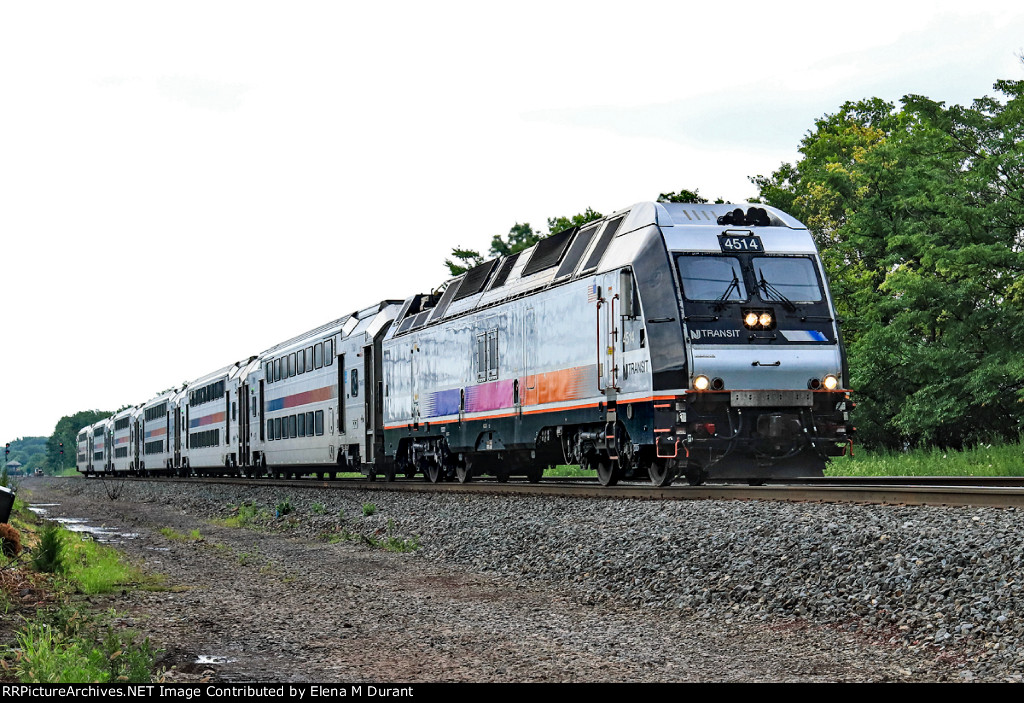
column 711, row 278
column 787, row 279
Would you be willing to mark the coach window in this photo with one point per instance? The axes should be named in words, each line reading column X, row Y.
column 328, row 352
column 319, row 422
column 318, row 355
column 301, row 418
column 309, row 358
column 291, row 426
column 270, row 429
column 277, row 428
column 291, row 364
column 354, row 376
column 309, row 424
column 301, row 361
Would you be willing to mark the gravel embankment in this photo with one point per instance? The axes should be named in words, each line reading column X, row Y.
column 915, row 580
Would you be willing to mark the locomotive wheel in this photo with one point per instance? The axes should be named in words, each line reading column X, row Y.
column 434, row 472
column 662, row 472
column 389, row 472
column 696, row 475
column 464, row 472
column 534, row 474
column 606, row 472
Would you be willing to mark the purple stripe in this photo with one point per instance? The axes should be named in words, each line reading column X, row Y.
column 489, row 396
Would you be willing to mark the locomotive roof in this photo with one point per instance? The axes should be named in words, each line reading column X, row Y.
column 592, row 248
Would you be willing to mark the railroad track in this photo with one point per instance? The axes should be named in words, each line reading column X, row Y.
column 1002, row 492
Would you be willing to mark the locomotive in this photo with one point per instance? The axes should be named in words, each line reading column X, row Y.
column 665, row 340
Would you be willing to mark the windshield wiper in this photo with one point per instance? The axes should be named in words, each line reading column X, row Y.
column 735, row 285
column 771, row 290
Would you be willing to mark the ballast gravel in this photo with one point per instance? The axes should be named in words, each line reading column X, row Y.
column 511, row 588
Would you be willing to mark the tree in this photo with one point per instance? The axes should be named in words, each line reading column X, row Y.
column 66, row 431
column 919, row 215
column 557, row 224
column 520, row 236
column 683, row 196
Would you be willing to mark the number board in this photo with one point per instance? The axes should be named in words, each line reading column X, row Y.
column 734, row 243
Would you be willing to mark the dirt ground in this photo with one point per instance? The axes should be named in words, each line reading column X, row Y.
column 248, row 605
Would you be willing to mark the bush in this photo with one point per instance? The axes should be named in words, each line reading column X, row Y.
column 369, row 509
column 49, row 556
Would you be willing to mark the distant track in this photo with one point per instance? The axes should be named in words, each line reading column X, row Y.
column 1001, row 492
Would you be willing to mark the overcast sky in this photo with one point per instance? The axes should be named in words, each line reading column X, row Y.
column 185, row 184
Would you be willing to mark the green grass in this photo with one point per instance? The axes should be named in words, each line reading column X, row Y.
column 369, row 509
column 983, row 460
column 569, row 470
column 96, row 568
column 68, row 645
column 243, row 515
column 172, row 534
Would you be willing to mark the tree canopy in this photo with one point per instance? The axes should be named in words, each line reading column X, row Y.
column 918, row 212
column 520, row 236
column 66, row 431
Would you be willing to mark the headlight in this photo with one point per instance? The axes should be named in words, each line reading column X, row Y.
column 751, row 319
column 701, row 383
column 830, row 382
column 765, row 319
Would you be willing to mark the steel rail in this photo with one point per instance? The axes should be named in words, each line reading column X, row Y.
column 864, row 492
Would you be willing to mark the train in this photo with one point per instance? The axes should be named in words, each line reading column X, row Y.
column 664, row 341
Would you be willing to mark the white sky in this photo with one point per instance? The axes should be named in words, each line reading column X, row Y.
column 186, row 184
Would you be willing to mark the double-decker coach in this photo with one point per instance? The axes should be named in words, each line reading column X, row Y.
column 123, row 453
column 160, row 435
column 314, row 397
column 83, row 455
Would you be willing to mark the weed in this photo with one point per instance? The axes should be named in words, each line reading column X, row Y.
column 95, row 568
column 171, row 533
column 369, row 509
column 244, row 514
column 246, row 558
column 284, row 507
column 398, row 544
column 66, row 645
column 319, row 508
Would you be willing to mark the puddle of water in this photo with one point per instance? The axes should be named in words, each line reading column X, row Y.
column 211, row 659
column 81, row 525
column 40, row 508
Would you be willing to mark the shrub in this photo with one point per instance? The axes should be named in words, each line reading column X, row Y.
column 369, row 509
column 284, row 507
column 49, row 555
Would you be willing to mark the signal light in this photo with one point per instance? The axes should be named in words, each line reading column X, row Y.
column 830, row 382
column 701, row 383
